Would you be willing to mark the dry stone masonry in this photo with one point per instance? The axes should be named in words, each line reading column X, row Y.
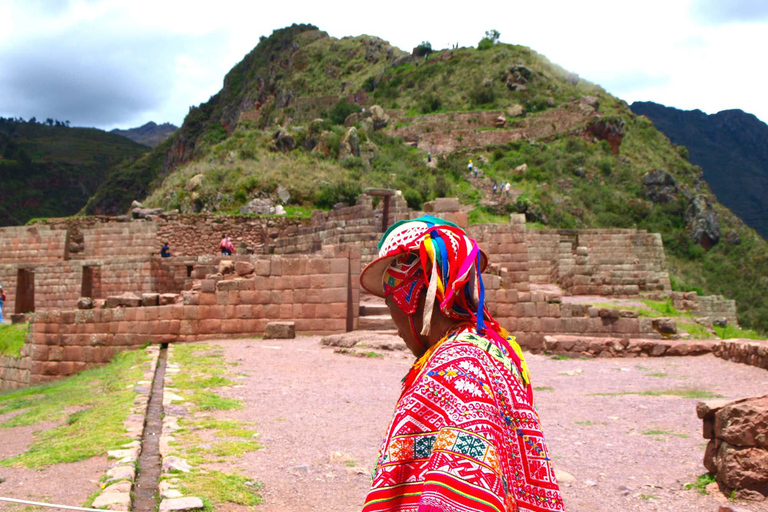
column 737, row 452
column 305, row 272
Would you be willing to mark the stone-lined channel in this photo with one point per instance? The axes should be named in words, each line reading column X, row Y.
column 145, row 489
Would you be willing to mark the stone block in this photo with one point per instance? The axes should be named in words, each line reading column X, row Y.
column 280, row 330
column 85, row 303
column 244, row 268
column 744, row 423
column 169, row 298
column 126, row 300
column 150, row 299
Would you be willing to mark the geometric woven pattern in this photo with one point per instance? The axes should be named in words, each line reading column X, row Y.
column 465, row 437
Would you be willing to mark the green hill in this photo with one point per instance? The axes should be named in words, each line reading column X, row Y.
column 52, row 171
column 575, row 156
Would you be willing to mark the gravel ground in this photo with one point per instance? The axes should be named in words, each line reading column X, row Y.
column 321, row 416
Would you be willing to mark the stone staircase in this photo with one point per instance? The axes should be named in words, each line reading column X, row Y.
column 374, row 315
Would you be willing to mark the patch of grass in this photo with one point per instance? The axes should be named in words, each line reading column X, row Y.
column 543, row 388
column 682, row 393
column 561, row 357
column 702, row 482
column 12, row 339
column 588, row 423
column 367, row 353
column 480, row 215
column 217, row 487
column 664, row 433
column 102, row 398
column 648, row 497
column 696, row 331
column 730, row 331
column 660, row 375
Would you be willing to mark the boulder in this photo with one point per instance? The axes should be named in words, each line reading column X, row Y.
column 322, row 146
column 702, row 221
column 500, row 122
column 244, row 268
column 142, row 213
column 366, row 125
column 195, row 182
column 742, row 468
column 660, row 187
column 126, row 300
column 349, row 145
column 589, row 103
column 85, row 303
column 282, row 140
column 258, row 206
column 379, row 117
column 280, row 330
column 226, row 267
column 283, row 194
column 136, row 204
column 171, row 464
column 744, row 423
column 520, row 74
column 516, row 111
column 571, row 78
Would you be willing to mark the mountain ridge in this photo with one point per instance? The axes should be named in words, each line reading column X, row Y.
column 731, row 147
column 150, row 134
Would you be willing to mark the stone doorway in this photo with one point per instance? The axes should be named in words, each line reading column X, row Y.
column 91, row 282
column 25, row 291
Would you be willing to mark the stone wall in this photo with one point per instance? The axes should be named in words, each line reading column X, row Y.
column 751, row 352
column 319, row 293
column 31, row 244
column 609, row 262
column 505, row 246
column 737, row 452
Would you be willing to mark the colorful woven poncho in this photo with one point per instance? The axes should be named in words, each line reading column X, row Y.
column 465, row 435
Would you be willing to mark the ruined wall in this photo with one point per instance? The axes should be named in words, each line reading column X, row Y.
column 751, row 352
column 505, row 246
column 319, row 293
column 609, row 262
column 358, row 225
column 31, row 244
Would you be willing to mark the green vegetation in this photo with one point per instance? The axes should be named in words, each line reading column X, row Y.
column 693, row 393
column 648, row 497
column 702, row 482
column 664, row 433
column 202, row 439
column 51, row 171
column 543, row 388
column 572, row 180
column 730, row 331
column 12, row 339
column 588, row 423
column 93, row 404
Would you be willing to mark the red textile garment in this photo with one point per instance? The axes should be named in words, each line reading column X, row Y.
column 465, row 437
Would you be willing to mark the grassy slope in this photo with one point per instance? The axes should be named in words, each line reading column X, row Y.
column 50, row 171
column 12, row 339
column 239, row 166
column 93, row 403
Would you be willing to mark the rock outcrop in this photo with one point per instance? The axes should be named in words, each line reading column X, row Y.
column 660, row 186
column 702, row 222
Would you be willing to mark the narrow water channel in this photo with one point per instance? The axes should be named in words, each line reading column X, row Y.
column 145, row 489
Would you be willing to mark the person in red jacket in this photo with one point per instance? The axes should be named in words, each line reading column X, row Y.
column 465, row 434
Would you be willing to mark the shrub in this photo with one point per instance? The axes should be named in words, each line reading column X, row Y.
column 344, row 192
column 485, row 44
column 424, row 49
column 341, row 110
column 482, row 94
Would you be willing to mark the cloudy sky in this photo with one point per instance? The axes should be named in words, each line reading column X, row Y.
column 121, row 63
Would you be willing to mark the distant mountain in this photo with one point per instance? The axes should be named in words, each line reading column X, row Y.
column 52, row 171
column 732, row 149
column 151, row 134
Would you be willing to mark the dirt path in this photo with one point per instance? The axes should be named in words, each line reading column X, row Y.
column 321, row 416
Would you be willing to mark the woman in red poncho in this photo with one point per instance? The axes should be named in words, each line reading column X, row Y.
column 465, row 435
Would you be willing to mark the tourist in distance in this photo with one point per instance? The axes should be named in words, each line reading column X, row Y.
column 465, row 434
column 165, row 252
column 225, row 246
column 2, row 302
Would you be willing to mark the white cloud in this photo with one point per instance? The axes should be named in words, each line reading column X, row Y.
column 170, row 54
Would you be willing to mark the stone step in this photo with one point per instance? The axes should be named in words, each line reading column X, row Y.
column 373, row 309
column 376, row 323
